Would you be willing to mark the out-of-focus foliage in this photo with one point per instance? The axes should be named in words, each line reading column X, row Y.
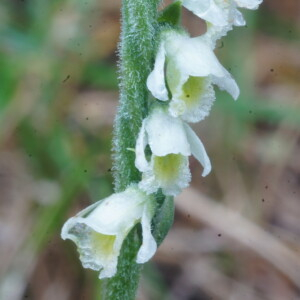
column 58, row 95
column 57, row 98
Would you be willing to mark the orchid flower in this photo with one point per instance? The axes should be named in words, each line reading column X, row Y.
column 187, row 68
column 100, row 229
column 220, row 15
column 171, row 142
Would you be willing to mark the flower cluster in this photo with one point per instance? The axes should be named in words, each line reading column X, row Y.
column 182, row 83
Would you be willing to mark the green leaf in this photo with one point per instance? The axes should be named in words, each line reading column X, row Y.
column 171, row 14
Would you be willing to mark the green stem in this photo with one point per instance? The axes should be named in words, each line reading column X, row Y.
column 136, row 59
column 137, row 50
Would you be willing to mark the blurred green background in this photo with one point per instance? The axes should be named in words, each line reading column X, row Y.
column 237, row 231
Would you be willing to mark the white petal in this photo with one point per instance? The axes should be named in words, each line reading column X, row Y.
column 214, row 33
column 215, row 15
column 66, row 228
column 116, row 213
column 227, row 83
column 250, row 4
column 197, row 6
column 206, row 10
column 198, row 150
column 238, row 19
column 156, row 79
column 193, row 56
column 149, row 246
column 166, row 134
column 175, row 77
column 177, row 108
column 110, row 270
column 72, row 221
column 141, row 162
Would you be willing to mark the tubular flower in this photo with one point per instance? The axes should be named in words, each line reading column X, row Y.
column 171, row 142
column 187, row 68
column 100, row 229
column 220, row 15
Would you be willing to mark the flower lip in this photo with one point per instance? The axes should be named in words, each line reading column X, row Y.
column 170, row 173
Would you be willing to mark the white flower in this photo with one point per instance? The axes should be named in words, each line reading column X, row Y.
column 189, row 67
column 171, row 142
column 100, row 229
column 220, row 15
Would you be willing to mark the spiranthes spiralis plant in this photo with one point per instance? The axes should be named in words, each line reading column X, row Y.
column 167, row 79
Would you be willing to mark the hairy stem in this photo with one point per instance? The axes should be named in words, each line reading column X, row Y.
column 137, row 49
column 136, row 60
